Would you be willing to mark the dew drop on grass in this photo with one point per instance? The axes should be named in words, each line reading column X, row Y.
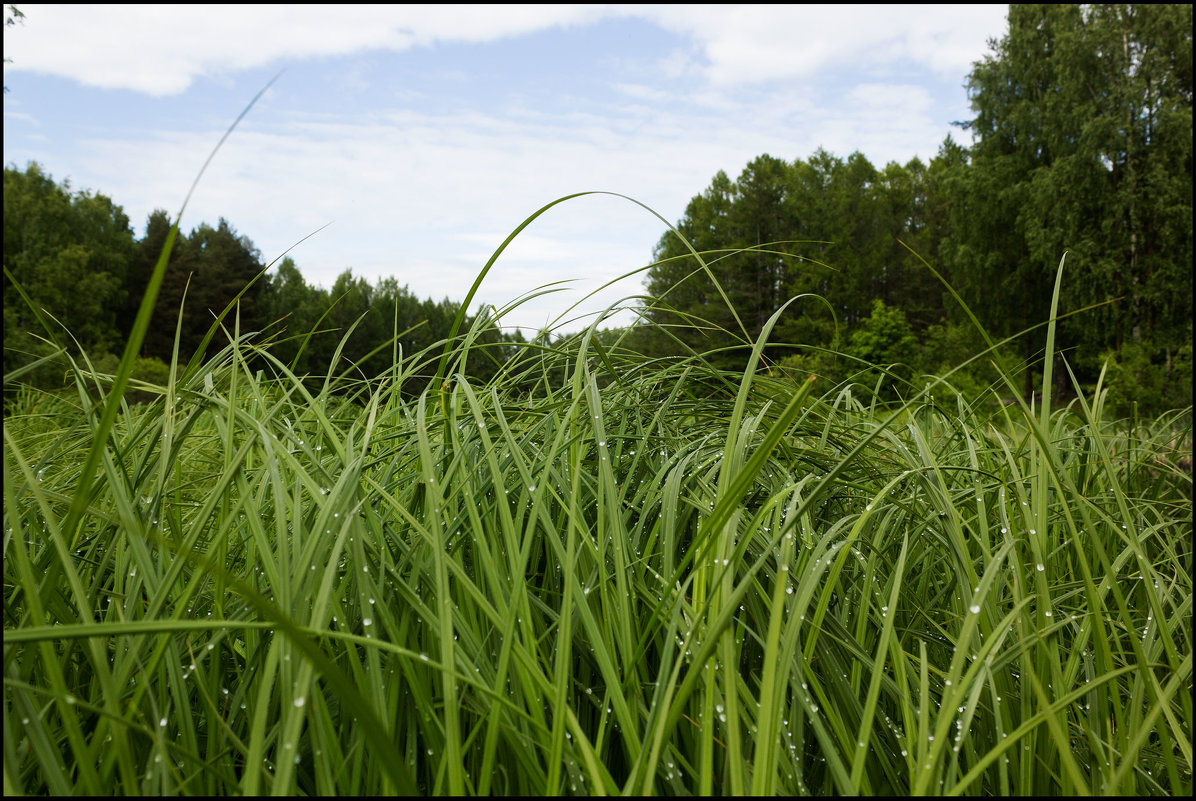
column 423, row 657
column 162, row 723
column 1040, row 567
column 974, row 609
column 299, row 701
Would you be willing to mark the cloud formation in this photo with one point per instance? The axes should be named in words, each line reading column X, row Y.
column 161, row 50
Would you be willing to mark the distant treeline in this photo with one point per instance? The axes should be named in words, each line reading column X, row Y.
column 1082, row 143
column 75, row 255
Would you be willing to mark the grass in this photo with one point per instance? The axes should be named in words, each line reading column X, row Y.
column 595, row 574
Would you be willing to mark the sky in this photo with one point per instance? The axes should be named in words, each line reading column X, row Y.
column 423, row 136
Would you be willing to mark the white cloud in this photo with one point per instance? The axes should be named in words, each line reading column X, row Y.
column 428, row 197
column 160, row 50
column 754, row 43
column 21, row 117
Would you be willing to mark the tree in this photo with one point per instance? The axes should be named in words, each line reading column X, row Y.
column 12, row 15
column 822, row 226
column 71, row 253
column 212, row 265
column 1083, row 142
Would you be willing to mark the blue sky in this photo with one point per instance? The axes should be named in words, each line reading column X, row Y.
column 426, row 134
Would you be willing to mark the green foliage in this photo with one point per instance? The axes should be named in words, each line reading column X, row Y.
column 71, row 253
column 884, row 337
column 951, row 347
column 146, row 370
column 1142, row 382
column 823, row 226
column 1083, row 143
column 680, row 581
column 211, row 266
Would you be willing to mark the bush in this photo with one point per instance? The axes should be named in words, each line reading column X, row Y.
column 1153, row 382
column 148, row 370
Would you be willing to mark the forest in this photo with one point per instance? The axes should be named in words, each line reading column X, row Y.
column 1082, row 144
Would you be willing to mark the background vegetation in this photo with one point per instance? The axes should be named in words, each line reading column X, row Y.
column 1082, row 143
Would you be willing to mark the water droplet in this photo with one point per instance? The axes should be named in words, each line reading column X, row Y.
column 299, row 701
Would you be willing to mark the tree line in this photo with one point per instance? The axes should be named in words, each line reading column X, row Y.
column 75, row 256
column 1082, row 143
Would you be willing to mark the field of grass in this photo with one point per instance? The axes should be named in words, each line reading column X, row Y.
column 595, row 574
column 635, row 577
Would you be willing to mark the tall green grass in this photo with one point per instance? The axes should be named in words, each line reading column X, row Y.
column 597, row 573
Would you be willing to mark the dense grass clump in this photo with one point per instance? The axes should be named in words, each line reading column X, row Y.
column 594, row 574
